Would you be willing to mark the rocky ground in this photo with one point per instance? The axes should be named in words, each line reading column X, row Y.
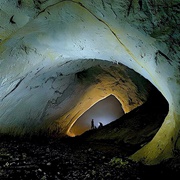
column 94, row 155
column 71, row 159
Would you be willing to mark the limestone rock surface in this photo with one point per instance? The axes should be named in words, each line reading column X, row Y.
column 45, row 44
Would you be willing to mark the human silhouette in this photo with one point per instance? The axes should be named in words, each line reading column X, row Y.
column 92, row 124
column 100, row 124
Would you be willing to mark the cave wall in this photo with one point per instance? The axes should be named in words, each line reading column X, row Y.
column 44, row 44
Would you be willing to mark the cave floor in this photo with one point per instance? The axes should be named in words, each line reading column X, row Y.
column 94, row 155
column 72, row 159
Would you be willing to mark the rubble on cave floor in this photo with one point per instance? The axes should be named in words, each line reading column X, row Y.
column 70, row 159
column 86, row 157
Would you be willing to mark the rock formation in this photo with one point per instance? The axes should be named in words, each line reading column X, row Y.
column 58, row 58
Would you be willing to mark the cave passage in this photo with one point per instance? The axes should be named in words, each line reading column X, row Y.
column 132, row 130
column 104, row 111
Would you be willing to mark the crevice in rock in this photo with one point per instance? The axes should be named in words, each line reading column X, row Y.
column 16, row 86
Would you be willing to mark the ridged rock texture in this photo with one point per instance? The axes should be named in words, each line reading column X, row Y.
column 58, row 58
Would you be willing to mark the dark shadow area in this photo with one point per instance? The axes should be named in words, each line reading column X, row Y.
column 133, row 130
column 104, row 111
column 96, row 154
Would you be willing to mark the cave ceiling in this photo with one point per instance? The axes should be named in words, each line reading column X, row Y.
column 57, row 56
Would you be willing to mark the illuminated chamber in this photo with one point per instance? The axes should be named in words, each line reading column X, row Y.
column 104, row 111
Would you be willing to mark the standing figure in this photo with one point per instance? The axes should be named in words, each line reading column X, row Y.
column 100, row 124
column 92, row 124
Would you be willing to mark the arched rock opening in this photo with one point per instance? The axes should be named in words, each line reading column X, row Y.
column 135, row 129
column 104, row 111
column 40, row 49
column 102, row 79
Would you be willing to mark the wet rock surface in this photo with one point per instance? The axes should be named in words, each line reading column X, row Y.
column 72, row 159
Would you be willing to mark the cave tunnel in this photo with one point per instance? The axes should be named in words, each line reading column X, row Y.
column 109, row 85
column 60, row 59
column 137, row 125
column 104, row 111
column 102, row 80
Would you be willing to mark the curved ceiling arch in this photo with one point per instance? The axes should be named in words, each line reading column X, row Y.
column 105, row 111
column 71, row 30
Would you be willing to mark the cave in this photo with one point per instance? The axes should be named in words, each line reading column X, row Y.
column 59, row 59
column 105, row 111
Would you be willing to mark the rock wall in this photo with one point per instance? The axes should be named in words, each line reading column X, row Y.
column 44, row 44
